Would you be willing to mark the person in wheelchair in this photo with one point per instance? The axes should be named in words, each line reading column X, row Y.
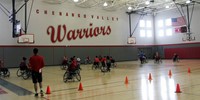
column 142, row 57
column 175, row 58
column 96, row 62
column 88, row 60
column 72, row 67
column 112, row 61
column 108, row 63
column 103, row 61
column 3, row 70
column 65, row 61
column 157, row 58
column 23, row 64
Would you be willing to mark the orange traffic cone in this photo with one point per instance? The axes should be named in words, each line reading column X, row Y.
column 80, row 87
column 150, row 78
column 189, row 70
column 48, row 91
column 170, row 73
column 126, row 80
column 178, row 90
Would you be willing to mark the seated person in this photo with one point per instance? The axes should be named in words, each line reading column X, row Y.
column 65, row 60
column 103, row 61
column 87, row 60
column 112, row 61
column 96, row 61
column 2, row 68
column 175, row 57
column 108, row 63
column 141, row 57
column 72, row 67
column 157, row 57
column 23, row 65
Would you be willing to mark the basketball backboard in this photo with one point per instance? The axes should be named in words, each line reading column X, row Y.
column 26, row 38
column 131, row 40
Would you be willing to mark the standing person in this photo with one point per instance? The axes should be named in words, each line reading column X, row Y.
column 36, row 63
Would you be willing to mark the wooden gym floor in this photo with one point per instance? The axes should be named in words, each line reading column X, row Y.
column 111, row 85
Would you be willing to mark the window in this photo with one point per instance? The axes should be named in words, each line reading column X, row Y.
column 169, row 32
column 168, row 22
column 142, row 23
column 165, row 27
column 160, row 23
column 145, row 28
column 148, row 24
column 142, row 33
column 161, row 33
column 149, row 33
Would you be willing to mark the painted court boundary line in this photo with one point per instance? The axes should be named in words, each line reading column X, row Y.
column 14, row 88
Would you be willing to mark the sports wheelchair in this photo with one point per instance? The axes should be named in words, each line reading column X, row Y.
column 157, row 60
column 4, row 72
column 24, row 73
column 71, row 76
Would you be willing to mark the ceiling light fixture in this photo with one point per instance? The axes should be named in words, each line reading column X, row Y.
column 147, row 2
column 76, row 0
column 130, row 8
column 105, row 4
column 188, row 1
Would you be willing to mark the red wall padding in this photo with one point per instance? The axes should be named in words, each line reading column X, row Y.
column 192, row 52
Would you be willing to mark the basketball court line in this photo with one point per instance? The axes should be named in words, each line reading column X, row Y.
column 14, row 88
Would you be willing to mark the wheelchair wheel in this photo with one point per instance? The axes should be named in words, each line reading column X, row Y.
column 19, row 72
column 114, row 65
column 7, row 74
column 63, row 67
column 103, row 69
column 78, row 76
column 26, row 75
column 65, row 76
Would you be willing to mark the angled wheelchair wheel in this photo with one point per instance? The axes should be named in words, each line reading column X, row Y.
column 26, row 75
column 103, row 69
column 65, row 76
column 78, row 76
column 7, row 74
column 19, row 73
column 63, row 67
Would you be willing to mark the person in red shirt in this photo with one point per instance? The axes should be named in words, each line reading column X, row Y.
column 103, row 61
column 65, row 63
column 96, row 62
column 72, row 67
column 36, row 63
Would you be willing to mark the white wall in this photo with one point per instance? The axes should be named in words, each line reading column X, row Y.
column 176, row 38
column 40, row 22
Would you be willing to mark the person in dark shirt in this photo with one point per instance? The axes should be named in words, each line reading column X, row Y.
column 175, row 57
column 23, row 64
